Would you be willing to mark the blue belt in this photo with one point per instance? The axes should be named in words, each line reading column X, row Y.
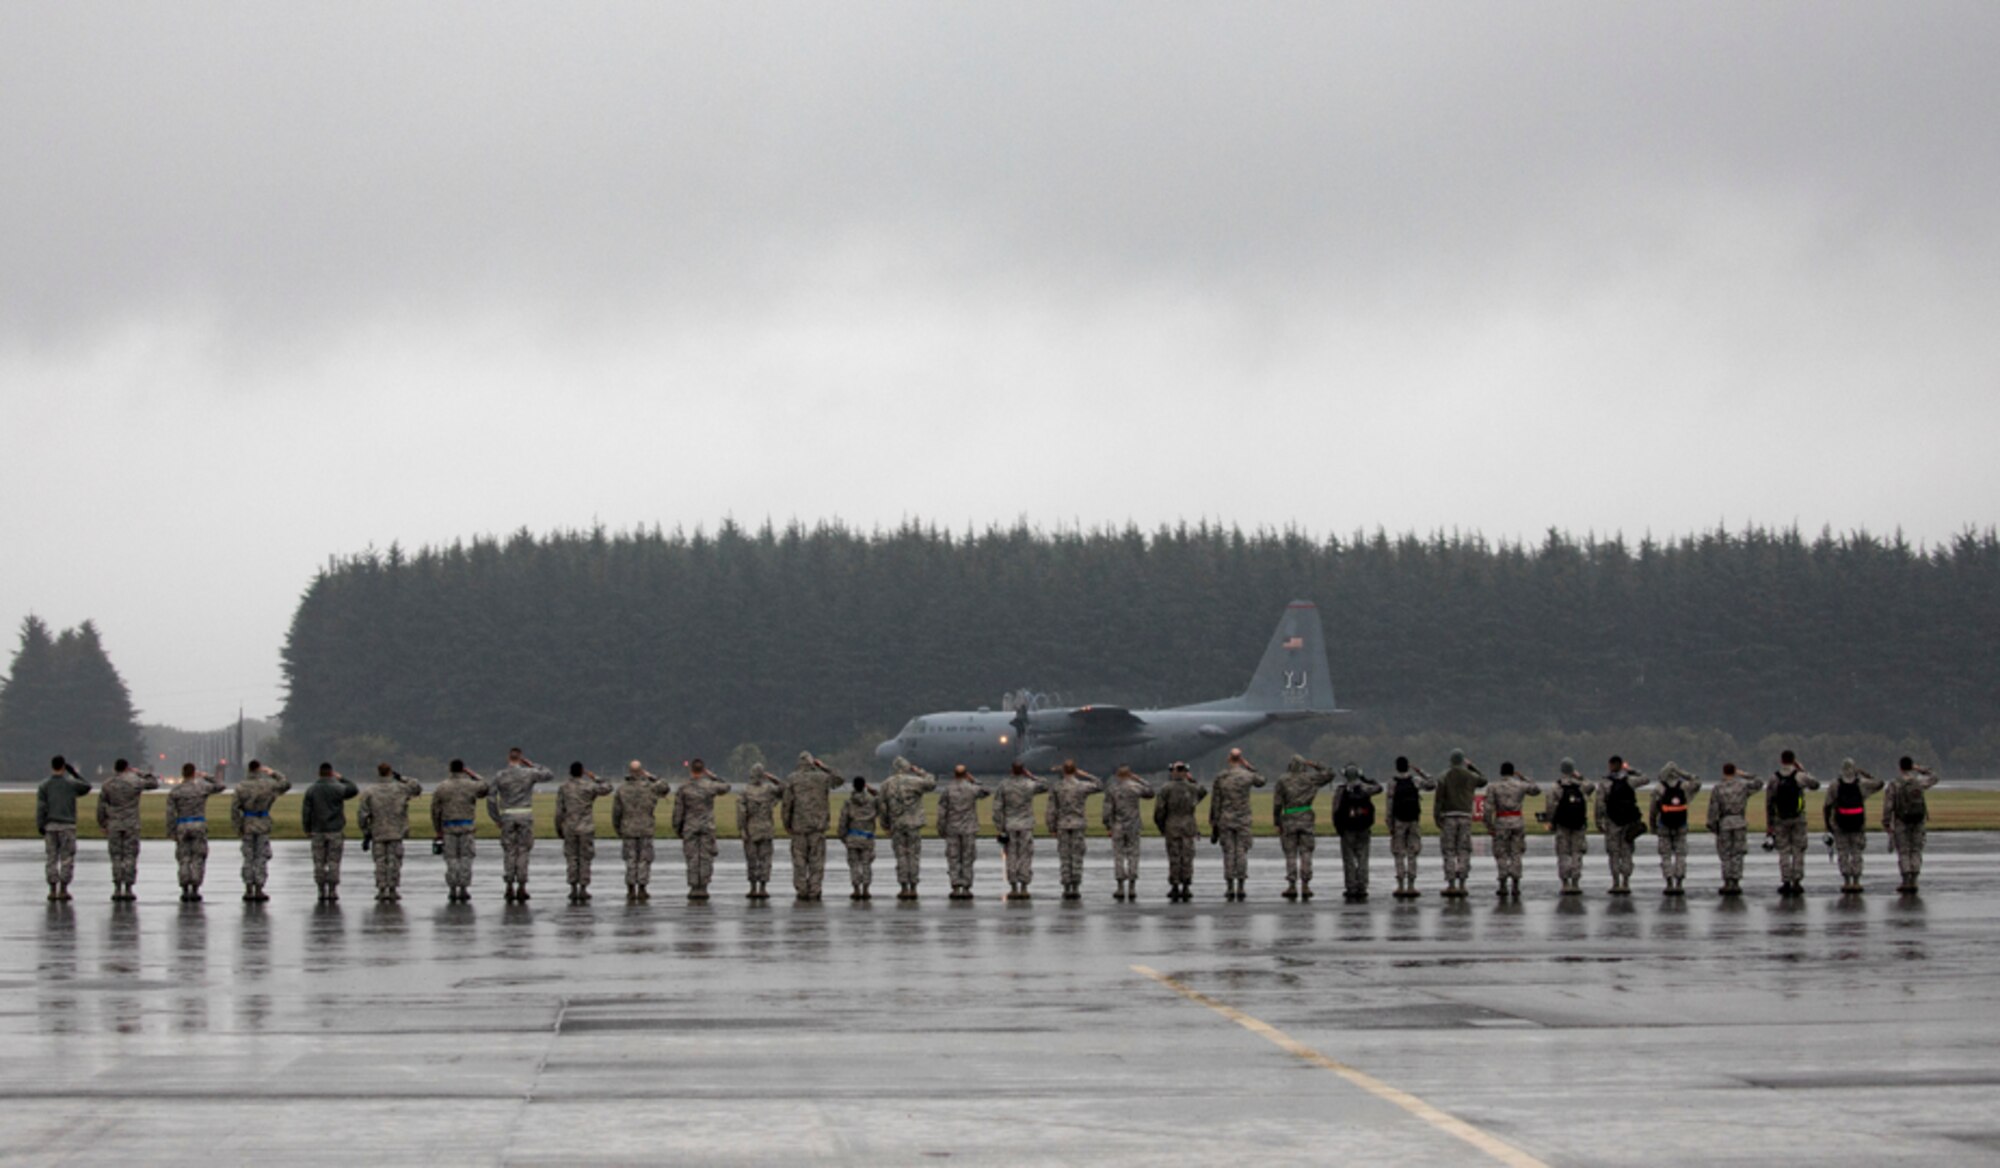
column 256, row 815
column 861, row 835
column 458, row 823
column 191, row 819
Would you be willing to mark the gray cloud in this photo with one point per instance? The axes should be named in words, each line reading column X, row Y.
column 322, row 276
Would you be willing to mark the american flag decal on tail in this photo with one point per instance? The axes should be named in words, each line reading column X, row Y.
column 1295, row 642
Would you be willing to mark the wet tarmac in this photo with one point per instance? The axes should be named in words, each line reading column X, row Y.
column 1600, row 1031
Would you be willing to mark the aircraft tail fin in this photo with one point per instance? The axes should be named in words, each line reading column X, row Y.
column 1293, row 677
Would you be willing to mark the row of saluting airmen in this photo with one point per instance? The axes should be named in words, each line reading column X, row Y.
column 803, row 801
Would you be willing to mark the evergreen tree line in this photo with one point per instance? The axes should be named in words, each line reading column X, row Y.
column 62, row 696
column 602, row 646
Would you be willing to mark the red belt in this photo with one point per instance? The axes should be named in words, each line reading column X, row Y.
column 1508, row 814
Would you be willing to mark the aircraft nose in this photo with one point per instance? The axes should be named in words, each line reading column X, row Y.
column 886, row 752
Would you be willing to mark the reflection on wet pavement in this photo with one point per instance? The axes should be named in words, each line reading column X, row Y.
column 996, row 1032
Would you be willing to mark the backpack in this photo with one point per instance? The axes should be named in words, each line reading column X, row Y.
column 1674, row 807
column 1850, row 807
column 1788, row 797
column 1406, row 803
column 1621, row 802
column 1910, row 806
column 1572, row 812
column 1354, row 812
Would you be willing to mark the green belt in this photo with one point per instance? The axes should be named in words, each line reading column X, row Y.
column 1296, row 810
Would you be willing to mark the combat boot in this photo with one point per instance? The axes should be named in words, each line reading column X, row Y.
column 645, row 895
column 1291, row 890
column 52, row 892
column 1306, row 890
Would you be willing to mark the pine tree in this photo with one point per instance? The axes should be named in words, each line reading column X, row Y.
column 62, row 696
column 100, row 725
column 28, row 705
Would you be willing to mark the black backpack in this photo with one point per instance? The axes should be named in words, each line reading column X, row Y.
column 1621, row 802
column 1850, row 807
column 1911, row 808
column 1674, row 807
column 1572, row 811
column 1354, row 812
column 1788, row 797
column 1406, row 803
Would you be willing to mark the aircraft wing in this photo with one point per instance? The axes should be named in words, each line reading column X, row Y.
column 1105, row 718
column 1088, row 724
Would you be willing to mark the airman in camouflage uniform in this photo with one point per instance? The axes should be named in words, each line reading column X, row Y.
column 1849, row 830
column 1506, row 823
column 903, row 812
column 1572, row 839
column 118, row 815
column 1406, row 826
column 1728, row 806
column 1297, row 823
column 1785, row 821
column 55, row 819
column 1068, row 820
column 1452, row 811
column 1014, row 823
column 187, row 823
column 958, row 823
column 1619, row 837
column 1904, row 814
column 1122, row 822
column 576, row 826
column 1355, row 826
column 1229, row 821
column 694, row 822
column 1174, row 814
column 1667, row 817
column 384, row 812
column 323, row 817
column 807, row 806
column 756, row 802
column 250, row 814
column 510, row 801
column 635, row 817
column 860, row 814
column 454, row 808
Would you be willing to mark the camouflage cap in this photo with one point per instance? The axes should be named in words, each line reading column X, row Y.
column 1458, row 758
column 1568, row 766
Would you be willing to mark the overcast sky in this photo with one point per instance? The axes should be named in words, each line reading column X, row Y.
column 285, row 281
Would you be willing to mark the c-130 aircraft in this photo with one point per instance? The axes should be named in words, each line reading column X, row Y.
column 1291, row 683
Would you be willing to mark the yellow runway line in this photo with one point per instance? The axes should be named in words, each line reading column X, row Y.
column 1451, row 1125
